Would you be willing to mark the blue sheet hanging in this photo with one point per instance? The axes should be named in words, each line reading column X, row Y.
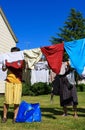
column 76, row 52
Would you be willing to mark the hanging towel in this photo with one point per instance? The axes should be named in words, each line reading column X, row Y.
column 32, row 56
column 13, row 56
column 76, row 51
column 12, row 59
column 54, row 56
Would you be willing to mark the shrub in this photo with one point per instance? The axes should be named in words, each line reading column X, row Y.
column 81, row 87
column 36, row 89
column 40, row 88
column 25, row 89
column 43, row 88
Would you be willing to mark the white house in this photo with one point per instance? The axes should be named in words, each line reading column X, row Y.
column 7, row 36
column 7, row 41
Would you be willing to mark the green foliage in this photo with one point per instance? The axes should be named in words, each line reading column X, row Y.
column 25, row 89
column 81, row 87
column 55, row 40
column 73, row 29
column 36, row 89
column 43, row 89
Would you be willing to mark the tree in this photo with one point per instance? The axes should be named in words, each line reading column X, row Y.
column 74, row 28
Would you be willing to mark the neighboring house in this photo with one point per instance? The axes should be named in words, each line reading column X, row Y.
column 7, row 36
column 7, row 40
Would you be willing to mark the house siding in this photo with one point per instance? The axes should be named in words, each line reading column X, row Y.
column 6, row 39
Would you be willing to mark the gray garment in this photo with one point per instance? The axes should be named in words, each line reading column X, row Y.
column 68, row 93
column 71, row 77
column 56, row 85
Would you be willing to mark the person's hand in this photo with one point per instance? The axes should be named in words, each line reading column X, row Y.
column 4, row 66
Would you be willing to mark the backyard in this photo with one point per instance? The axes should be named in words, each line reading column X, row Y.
column 51, row 115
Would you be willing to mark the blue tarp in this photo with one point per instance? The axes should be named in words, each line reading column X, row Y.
column 29, row 112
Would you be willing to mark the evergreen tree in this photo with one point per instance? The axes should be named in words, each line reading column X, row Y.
column 74, row 28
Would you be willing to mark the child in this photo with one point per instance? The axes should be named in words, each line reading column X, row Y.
column 13, row 88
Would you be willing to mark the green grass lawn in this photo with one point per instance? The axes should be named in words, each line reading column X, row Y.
column 51, row 115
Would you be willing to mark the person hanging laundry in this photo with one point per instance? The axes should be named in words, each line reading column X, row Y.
column 13, row 88
column 68, row 92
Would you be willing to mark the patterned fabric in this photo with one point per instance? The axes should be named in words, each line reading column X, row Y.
column 40, row 73
column 68, row 94
column 39, row 76
column 12, row 57
column 14, row 73
column 16, row 64
column 13, row 93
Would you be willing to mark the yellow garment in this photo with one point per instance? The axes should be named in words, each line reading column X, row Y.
column 13, row 93
column 12, row 78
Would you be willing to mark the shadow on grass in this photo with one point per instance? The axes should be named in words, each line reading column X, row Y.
column 80, row 111
column 52, row 112
column 47, row 112
column 10, row 112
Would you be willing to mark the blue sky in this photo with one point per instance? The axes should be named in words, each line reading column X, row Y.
column 35, row 21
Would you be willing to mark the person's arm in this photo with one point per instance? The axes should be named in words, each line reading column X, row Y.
column 68, row 69
column 4, row 68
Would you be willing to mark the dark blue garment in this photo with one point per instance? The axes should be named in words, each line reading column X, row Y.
column 29, row 112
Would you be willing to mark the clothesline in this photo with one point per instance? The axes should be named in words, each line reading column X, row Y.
column 54, row 56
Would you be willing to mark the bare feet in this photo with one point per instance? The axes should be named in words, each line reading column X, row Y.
column 75, row 116
column 65, row 114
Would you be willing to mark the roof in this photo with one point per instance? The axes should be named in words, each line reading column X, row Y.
column 8, row 25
